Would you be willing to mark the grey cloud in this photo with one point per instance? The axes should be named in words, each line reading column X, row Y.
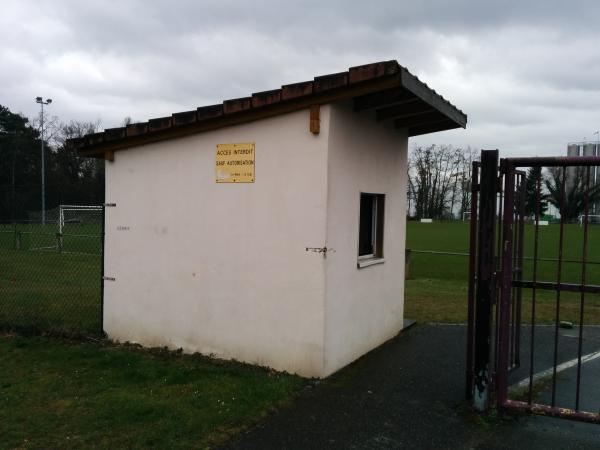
column 525, row 72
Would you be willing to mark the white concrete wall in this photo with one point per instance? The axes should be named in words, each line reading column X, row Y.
column 364, row 307
column 221, row 268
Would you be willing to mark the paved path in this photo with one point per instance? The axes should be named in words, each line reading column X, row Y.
column 406, row 394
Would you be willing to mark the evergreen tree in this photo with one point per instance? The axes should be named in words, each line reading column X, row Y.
column 20, row 162
column 70, row 178
column 534, row 176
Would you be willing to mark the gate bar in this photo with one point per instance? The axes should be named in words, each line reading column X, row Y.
column 520, row 260
column 472, row 276
column 485, row 278
column 554, row 161
column 561, row 240
column 506, row 285
column 517, row 299
column 552, row 411
column 538, row 195
column 586, row 208
column 565, row 287
column 499, row 212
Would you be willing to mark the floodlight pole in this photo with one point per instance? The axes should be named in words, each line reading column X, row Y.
column 42, row 103
column 596, row 174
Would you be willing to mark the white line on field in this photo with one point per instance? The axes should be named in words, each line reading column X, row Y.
column 560, row 368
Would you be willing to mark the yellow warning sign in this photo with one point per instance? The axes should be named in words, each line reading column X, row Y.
column 235, row 163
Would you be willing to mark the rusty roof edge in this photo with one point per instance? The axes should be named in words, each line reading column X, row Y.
column 358, row 80
column 430, row 96
column 246, row 115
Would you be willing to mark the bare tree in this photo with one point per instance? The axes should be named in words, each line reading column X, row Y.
column 468, row 157
column 439, row 181
column 51, row 126
column 567, row 191
column 433, row 181
column 73, row 178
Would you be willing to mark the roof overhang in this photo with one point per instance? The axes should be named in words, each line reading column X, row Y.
column 385, row 87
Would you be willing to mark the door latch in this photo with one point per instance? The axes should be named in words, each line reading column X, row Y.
column 323, row 250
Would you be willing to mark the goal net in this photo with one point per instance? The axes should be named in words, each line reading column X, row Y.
column 466, row 216
column 77, row 218
column 66, row 229
column 592, row 219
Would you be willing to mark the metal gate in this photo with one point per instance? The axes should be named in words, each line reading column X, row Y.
column 520, row 265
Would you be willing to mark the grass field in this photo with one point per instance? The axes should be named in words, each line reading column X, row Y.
column 63, row 394
column 44, row 289
column 56, row 393
column 437, row 288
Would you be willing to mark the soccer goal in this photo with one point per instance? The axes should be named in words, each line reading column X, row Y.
column 90, row 215
column 466, row 216
column 592, row 219
column 68, row 229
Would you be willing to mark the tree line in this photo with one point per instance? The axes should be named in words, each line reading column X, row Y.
column 70, row 179
column 439, row 181
column 439, row 176
column 439, row 185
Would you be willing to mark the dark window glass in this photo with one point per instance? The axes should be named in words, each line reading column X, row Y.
column 366, row 241
column 370, row 233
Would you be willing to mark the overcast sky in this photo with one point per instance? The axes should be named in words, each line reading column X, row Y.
column 527, row 73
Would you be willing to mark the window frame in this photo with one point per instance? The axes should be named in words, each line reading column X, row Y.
column 377, row 230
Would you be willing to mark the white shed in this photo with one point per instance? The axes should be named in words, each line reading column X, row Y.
column 268, row 229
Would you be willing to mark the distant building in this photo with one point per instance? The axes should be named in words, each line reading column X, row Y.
column 585, row 149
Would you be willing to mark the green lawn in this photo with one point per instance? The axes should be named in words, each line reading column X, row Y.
column 437, row 288
column 64, row 394
column 57, row 393
column 50, row 283
column 43, row 288
column 77, row 238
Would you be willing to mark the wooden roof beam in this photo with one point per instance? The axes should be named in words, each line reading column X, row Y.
column 432, row 128
column 420, row 119
column 386, row 98
column 404, row 110
column 432, row 98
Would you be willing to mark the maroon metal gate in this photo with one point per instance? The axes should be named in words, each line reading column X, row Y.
column 505, row 283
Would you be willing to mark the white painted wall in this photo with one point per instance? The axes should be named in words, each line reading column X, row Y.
column 221, row 268
column 364, row 307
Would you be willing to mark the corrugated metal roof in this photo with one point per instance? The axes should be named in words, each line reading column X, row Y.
column 386, row 87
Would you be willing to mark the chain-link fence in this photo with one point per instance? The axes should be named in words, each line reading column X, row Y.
column 51, row 272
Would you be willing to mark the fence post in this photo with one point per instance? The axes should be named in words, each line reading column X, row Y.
column 59, row 242
column 472, row 277
column 506, row 282
column 102, row 235
column 407, row 254
column 485, row 279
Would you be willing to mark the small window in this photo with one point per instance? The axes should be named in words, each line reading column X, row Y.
column 370, row 233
